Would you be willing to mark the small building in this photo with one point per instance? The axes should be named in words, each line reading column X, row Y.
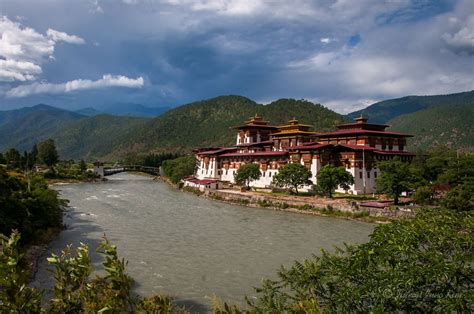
column 99, row 169
column 202, row 185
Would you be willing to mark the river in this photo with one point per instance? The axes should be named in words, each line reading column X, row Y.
column 192, row 247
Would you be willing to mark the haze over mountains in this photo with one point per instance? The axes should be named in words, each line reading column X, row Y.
column 89, row 134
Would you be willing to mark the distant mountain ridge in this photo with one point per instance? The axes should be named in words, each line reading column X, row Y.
column 124, row 109
column 21, row 128
column 450, row 125
column 384, row 111
column 209, row 123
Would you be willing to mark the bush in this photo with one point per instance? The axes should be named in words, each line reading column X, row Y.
column 177, row 169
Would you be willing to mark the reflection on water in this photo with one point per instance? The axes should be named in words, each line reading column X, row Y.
column 191, row 247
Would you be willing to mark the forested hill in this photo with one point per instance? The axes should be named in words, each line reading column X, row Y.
column 384, row 111
column 450, row 125
column 209, row 122
column 22, row 128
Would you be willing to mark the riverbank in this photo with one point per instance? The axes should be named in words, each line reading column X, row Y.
column 308, row 205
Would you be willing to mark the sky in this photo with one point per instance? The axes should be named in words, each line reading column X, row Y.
column 344, row 54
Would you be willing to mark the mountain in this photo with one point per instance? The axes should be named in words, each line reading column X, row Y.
column 450, row 125
column 133, row 110
column 124, row 109
column 89, row 111
column 93, row 137
column 22, row 128
column 209, row 123
column 383, row 111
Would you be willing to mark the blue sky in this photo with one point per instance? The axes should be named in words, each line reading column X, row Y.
column 345, row 54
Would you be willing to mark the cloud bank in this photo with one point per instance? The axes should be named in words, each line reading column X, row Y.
column 75, row 85
column 340, row 53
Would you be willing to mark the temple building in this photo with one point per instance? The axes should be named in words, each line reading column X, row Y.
column 355, row 146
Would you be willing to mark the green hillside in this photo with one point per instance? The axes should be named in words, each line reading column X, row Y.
column 94, row 137
column 382, row 112
column 451, row 125
column 24, row 127
column 209, row 122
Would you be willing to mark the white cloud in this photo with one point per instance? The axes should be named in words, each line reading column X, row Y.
column 75, row 85
column 462, row 39
column 61, row 36
column 11, row 70
column 325, row 40
column 23, row 50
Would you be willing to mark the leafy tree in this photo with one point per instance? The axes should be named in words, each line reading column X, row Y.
column 292, row 176
column 3, row 160
column 460, row 198
column 395, row 178
column 329, row 178
column 29, row 210
column 47, row 152
column 177, row 169
column 13, row 158
column 82, row 166
column 34, row 154
column 247, row 173
column 424, row 195
column 410, row 265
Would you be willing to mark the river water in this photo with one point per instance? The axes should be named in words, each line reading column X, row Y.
column 191, row 247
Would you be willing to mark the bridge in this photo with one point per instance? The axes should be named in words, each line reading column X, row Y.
column 102, row 171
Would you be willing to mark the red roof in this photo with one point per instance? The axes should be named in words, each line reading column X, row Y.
column 309, row 146
column 274, row 153
column 255, row 144
column 353, row 132
column 201, row 182
column 391, row 152
column 357, row 147
column 217, row 151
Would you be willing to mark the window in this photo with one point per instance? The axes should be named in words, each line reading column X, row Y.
column 368, row 174
column 360, row 174
column 269, row 174
column 263, row 173
column 375, row 174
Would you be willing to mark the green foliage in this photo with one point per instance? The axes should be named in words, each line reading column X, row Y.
column 3, row 160
column 177, row 169
column 29, row 208
column 292, row 176
column 411, row 265
column 13, row 158
column 74, row 291
column 47, row 152
column 82, row 166
column 156, row 160
column 15, row 294
column 247, row 173
column 395, row 177
column 460, row 198
column 329, row 178
column 424, row 195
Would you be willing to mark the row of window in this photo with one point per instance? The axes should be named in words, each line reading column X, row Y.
column 368, row 174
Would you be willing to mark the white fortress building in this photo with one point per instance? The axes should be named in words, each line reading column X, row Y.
column 355, row 146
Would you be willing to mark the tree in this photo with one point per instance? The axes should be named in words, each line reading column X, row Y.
column 177, row 169
column 82, row 166
column 395, row 178
column 293, row 176
column 13, row 158
column 460, row 198
column 47, row 152
column 3, row 160
column 34, row 154
column 246, row 174
column 329, row 178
